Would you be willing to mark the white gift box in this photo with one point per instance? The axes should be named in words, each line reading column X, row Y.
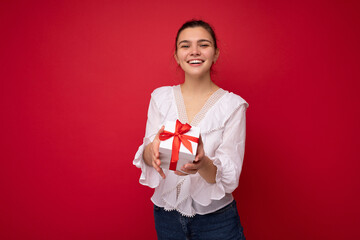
column 185, row 156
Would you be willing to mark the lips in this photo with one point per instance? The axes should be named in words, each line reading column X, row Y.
column 195, row 61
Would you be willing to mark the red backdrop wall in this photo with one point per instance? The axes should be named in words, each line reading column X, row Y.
column 76, row 78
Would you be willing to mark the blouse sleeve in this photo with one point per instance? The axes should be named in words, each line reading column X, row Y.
column 228, row 158
column 149, row 176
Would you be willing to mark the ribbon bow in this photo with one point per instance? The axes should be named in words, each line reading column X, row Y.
column 179, row 137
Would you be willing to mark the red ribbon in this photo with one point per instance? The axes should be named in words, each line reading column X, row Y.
column 179, row 137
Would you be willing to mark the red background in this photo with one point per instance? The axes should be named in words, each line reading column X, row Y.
column 76, row 78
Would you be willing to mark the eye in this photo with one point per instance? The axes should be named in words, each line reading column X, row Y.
column 204, row 45
column 184, row 46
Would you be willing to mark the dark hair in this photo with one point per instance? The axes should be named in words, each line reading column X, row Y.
column 196, row 23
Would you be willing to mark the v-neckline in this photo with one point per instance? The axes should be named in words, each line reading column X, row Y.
column 180, row 103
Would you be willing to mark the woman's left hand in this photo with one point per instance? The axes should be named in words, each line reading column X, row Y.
column 192, row 168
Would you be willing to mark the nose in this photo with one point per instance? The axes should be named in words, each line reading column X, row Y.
column 195, row 51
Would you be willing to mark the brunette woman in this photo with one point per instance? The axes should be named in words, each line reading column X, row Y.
column 196, row 203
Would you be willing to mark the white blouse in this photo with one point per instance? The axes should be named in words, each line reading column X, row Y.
column 222, row 127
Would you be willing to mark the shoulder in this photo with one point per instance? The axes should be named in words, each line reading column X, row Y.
column 231, row 100
column 162, row 93
column 163, row 98
column 230, row 103
column 223, row 110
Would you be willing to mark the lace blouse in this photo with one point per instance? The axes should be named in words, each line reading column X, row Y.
column 222, row 127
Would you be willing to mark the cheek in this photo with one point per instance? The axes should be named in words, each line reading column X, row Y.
column 210, row 54
column 182, row 56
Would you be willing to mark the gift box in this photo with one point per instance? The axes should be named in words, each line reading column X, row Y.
column 178, row 145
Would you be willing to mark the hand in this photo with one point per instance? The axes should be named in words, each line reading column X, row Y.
column 154, row 152
column 197, row 164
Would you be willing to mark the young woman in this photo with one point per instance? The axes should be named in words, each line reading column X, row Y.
column 198, row 204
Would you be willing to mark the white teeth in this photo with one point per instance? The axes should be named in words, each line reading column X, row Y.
column 195, row 61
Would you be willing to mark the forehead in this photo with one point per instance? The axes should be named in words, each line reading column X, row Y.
column 194, row 34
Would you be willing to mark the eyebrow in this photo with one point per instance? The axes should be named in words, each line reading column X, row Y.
column 201, row 40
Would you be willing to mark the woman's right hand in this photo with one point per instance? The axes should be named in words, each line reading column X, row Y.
column 154, row 153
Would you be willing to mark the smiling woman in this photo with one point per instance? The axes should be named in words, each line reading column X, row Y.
column 196, row 203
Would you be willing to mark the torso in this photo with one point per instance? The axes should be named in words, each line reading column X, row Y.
column 210, row 115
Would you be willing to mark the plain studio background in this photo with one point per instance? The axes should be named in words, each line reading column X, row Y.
column 76, row 78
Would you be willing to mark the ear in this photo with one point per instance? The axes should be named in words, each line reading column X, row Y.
column 217, row 53
column 176, row 58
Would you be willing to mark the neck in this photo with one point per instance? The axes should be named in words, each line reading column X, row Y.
column 201, row 84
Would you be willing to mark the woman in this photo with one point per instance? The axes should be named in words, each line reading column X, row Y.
column 198, row 204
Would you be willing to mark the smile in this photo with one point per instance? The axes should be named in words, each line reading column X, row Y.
column 195, row 61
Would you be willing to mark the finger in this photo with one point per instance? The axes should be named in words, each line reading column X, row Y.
column 156, row 166
column 200, row 140
column 200, row 151
column 157, row 162
column 162, row 174
column 158, row 169
column 156, row 142
column 191, row 166
column 198, row 158
column 200, row 154
column 155, row 150
column 180, row 173
column 189, row 171
column 160, row 131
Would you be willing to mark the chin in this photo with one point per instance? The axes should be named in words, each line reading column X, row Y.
column 197, row 74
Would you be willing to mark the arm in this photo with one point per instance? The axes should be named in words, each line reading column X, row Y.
column 143, row 157
column 230, row 154
column 225, row 166
column 151, row 154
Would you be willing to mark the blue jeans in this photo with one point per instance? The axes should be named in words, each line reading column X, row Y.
column 223, row 224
